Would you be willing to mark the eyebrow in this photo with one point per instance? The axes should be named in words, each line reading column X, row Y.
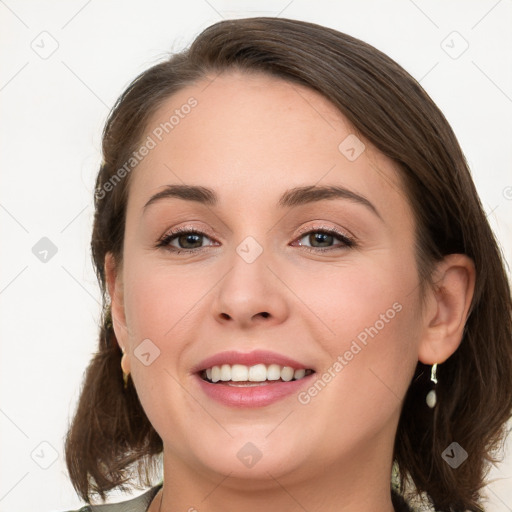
column 291, row 198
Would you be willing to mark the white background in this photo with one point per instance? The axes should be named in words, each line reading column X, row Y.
column 53, row 111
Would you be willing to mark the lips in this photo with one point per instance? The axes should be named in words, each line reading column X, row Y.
column 250, row 359
column 251, row 393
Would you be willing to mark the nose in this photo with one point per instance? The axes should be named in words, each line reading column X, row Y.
column 251, row 293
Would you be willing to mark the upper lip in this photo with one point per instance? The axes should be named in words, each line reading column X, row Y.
column 248, row 359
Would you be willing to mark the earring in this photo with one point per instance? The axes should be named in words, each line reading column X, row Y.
column 125, row 375
column 431, row 396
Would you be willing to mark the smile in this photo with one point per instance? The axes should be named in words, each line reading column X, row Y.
column 249, row 375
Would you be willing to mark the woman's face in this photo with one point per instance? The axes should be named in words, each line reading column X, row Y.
column 267, row 273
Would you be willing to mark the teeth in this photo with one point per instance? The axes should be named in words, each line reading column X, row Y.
column 287, row 373
column 256, row 373
column 274, row 372
column 239, row 372
column 225, row 372
column 299, row 374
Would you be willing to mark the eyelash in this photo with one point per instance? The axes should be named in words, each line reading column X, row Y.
column 348, row 242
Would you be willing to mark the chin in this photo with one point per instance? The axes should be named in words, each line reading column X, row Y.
column 251, row 458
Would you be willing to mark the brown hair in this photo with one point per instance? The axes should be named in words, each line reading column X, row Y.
column 110, row 432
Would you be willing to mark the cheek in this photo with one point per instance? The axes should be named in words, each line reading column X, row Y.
column 370, row 325
column 160, row 299
column 160, row 306
column 361, row 297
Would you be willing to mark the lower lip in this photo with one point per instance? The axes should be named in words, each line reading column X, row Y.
column 252, row 396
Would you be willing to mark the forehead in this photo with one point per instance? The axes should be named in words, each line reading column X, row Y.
column 251, row 137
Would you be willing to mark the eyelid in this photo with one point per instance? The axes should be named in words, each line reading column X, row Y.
column 173, row 232
column 323, row 227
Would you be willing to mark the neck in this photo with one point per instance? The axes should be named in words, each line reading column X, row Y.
column 354, row 484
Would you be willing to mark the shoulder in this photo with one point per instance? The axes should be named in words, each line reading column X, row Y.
column 138, row 504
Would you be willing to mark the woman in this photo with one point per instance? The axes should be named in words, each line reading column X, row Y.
column 271, row 372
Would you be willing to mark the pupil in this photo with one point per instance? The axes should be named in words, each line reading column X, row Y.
column 318, row 237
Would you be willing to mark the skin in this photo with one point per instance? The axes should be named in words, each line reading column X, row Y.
column 250, row 138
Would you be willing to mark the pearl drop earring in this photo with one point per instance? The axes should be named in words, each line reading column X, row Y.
column 431, row 396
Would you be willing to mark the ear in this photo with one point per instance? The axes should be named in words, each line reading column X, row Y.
column 447, row 308
column 114, row 282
